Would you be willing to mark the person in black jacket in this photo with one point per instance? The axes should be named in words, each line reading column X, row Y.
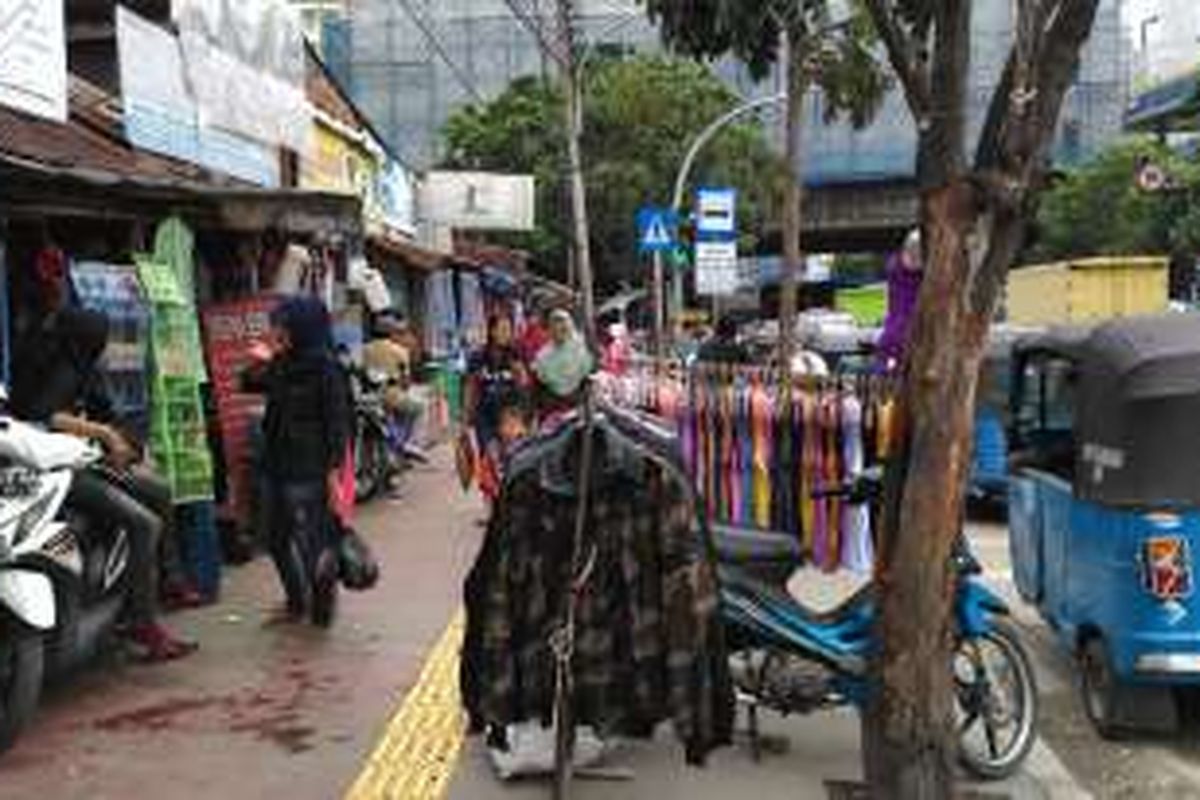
column 56, row 383
column 306, row 432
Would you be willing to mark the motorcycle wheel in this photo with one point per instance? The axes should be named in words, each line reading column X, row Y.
column 370, row 463
column 21, row 667
column 996, row 694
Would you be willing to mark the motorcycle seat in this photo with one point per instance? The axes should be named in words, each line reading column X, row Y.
column 742, row 545
column 840, row 636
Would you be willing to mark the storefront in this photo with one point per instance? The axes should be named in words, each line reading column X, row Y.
column 158, row 245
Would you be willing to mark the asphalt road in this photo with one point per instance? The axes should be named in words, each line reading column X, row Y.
column 1147, row 764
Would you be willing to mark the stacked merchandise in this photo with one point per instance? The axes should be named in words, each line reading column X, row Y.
column 757, row 449
column 114, row 291
column 178, row 432
column 648, row 638
column 229, row 330
column 174, row 247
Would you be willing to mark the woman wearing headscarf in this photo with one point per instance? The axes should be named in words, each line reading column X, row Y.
column 561, row 367
column 306, row 433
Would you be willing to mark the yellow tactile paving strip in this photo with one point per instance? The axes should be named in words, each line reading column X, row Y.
column 416, row 757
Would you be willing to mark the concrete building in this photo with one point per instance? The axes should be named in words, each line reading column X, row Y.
column 1165, row 36
column 411, row 63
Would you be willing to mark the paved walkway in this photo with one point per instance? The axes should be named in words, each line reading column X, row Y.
column 265, row 710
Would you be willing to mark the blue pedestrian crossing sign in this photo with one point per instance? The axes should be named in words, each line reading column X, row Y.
column 656, row 229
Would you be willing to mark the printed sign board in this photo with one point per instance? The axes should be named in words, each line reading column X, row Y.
column 33, row 57
column 716, row 213
column 479, row 201
column 717, row 268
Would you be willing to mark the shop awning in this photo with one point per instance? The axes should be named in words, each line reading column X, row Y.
column 34, row 189
column 84, row 167
column 396, row 251
column 1165, row 104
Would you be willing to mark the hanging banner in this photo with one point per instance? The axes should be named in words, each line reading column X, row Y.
column 33, row 57
column 161, row 116
column 245, row 64
column 479, row 201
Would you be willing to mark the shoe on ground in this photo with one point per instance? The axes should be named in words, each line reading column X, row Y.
column 182, row 595
column 158, row 644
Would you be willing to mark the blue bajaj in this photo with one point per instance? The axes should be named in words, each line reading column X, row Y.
column 1104, row 506
column 791, row 659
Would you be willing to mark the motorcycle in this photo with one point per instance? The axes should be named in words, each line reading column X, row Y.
column 791, row 659
column 59, row 588
column 381, row 446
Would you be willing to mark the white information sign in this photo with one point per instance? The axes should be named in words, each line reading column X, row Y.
column 716, row 212
column 717, row 268
column 33, row 57
column 479, row 200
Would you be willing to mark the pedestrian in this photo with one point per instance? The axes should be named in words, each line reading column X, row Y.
column 57, row 383
column 535, row 335
column 905, row 271
column 561, row 368
column 497, row 380
column 723, row 347
column 307, row 435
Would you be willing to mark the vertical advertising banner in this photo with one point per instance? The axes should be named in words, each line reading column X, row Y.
column 33, row 57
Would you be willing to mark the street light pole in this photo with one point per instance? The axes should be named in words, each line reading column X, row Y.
column 574, row 120
column 685, row 170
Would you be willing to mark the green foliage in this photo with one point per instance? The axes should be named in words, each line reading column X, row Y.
column 639, row 117
column 1099, row 209
column 838, row 56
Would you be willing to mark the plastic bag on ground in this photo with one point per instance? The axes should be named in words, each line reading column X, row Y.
column 531, row 751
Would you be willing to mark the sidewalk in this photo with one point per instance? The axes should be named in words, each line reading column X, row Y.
column 821, row 747
column 264, row 710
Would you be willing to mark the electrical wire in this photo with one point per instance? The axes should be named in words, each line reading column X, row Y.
column 439, row 47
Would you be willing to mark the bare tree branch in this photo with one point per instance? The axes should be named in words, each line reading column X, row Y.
column 902, row 54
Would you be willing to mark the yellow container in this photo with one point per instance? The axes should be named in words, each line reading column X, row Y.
column 1087, row 289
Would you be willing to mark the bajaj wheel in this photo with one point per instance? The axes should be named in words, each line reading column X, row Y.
column 1099, row 686
column 997, row 703
column 21, row 663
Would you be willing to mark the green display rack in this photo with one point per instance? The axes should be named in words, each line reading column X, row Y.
column 178, row 433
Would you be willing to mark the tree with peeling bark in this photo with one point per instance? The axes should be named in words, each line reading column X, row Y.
column 812, row 49
column 975, row 212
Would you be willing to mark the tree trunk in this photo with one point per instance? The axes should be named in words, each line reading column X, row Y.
column 909, row 732
column 793, row 59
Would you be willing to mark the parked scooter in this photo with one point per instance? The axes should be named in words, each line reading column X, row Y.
column 382, row 449
column 791, row 659
column 60, row 582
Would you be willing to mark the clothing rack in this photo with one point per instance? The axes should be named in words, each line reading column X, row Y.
column 758, row 441
column 562, row 641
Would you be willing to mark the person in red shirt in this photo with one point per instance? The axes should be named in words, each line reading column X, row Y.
column 534, row 336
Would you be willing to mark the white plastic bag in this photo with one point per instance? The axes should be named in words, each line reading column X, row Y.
column 531, row 751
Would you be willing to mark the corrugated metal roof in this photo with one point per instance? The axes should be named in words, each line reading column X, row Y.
column 91, row 139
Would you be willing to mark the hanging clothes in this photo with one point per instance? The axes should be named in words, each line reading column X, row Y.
column 648, row 642
column 857, row 552
column 762, row 422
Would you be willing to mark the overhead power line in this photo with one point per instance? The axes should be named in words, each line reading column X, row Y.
column 439, row 47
